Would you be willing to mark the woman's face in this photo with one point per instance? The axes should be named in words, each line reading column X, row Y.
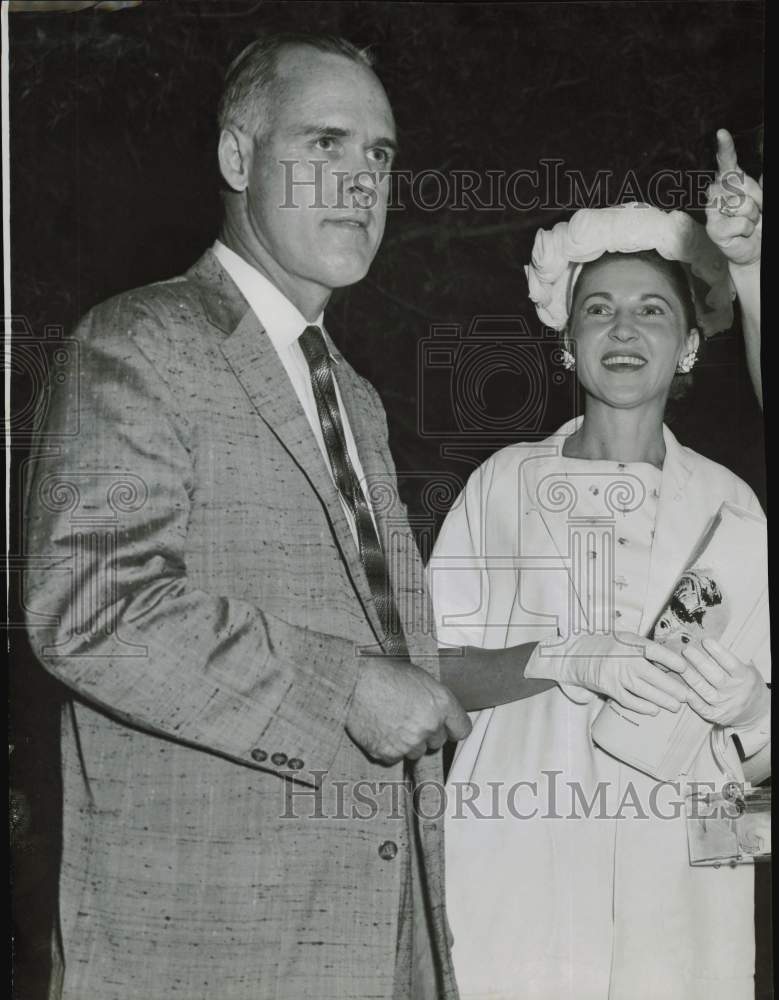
column 629, row 330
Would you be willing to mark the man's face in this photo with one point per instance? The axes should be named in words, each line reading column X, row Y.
column 317, row 191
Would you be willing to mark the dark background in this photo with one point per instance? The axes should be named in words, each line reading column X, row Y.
column 114, row 184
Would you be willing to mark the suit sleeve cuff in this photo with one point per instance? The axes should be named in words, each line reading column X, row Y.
column 305, row 732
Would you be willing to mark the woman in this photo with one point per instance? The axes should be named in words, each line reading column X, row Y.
column 567, row 870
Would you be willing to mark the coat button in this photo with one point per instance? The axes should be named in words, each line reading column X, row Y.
column 279, row 759
column 388, row 850
column 294, row 763
column 259, row 755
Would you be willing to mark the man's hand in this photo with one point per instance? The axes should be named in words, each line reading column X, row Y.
column 734, row 212
column 399, row 711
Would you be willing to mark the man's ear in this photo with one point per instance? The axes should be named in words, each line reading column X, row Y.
column 235, row 156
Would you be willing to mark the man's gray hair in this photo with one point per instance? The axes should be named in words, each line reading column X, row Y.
column 250, row 78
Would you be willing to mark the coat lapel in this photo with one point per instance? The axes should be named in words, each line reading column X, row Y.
column 256, row 364
column 678, row 516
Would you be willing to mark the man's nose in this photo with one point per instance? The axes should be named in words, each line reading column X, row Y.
column 360, row 180
column 362, row 187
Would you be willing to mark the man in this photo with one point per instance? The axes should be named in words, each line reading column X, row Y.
column 212, row 582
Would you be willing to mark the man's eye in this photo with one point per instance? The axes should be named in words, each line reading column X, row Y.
column 327, row 143
column 382, row 156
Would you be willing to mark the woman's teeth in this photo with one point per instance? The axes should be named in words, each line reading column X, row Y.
column 624, row 359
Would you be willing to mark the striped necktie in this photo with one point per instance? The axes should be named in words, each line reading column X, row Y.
column 315, row 351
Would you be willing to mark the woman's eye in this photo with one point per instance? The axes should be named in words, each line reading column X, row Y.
column 653, row 311
column 597, row 309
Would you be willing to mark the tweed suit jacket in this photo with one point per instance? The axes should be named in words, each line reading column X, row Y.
column 194, row 583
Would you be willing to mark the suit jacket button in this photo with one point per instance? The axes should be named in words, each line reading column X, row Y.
column 279, row 759
column 294, row 763
column 259, row 755
column 388, row 850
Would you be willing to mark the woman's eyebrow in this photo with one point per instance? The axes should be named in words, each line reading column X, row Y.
column 656, row 295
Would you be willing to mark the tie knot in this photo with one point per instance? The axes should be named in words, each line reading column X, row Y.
column 312, row 343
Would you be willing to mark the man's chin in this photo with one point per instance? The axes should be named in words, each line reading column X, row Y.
column 349, row 273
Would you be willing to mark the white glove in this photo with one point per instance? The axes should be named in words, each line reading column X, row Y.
column 729, row 693
column 622, row 666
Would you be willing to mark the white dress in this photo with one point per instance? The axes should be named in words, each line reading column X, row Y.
column 543, row 900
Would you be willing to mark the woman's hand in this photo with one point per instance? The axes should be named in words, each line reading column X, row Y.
column 636, row 672
column 734, row 212
column 723, row 690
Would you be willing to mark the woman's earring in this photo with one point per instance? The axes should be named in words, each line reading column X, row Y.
column 568, row 360
column 687, row 363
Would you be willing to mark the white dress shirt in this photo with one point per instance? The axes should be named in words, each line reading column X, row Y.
column 284, row 323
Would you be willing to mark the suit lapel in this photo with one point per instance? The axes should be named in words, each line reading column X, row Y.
column 256, row 364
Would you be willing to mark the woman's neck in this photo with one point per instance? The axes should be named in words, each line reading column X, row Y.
column 616, row 435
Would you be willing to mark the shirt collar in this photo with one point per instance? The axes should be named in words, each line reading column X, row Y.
column 281, row 320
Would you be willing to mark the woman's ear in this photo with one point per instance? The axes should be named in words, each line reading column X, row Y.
column 693, row 341
column 568, row 355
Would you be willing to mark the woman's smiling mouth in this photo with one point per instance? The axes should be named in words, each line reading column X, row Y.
column 623, row 362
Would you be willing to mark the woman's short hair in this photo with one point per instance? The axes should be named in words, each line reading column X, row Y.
column 251, row 77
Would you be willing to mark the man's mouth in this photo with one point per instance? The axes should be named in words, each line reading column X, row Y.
column 623, row 362
column 351, row 222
